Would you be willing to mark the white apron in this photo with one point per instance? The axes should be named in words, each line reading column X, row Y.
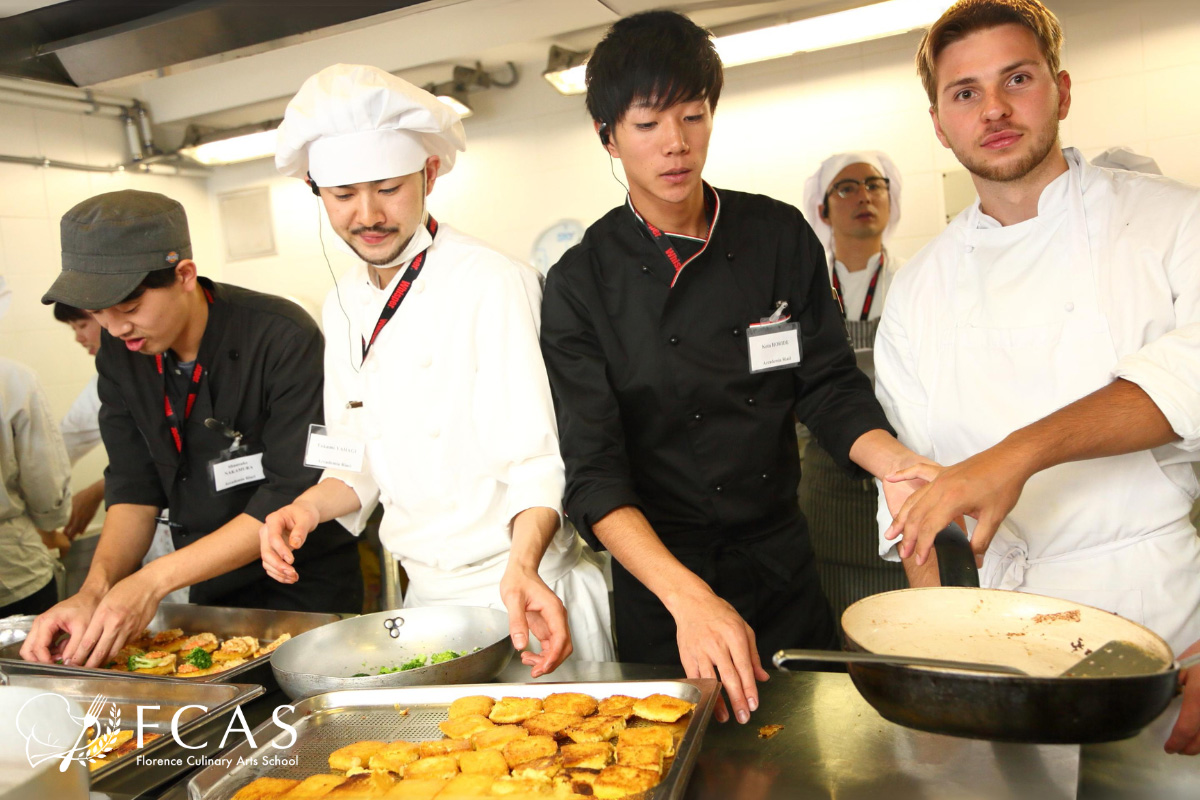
column 1029, row 338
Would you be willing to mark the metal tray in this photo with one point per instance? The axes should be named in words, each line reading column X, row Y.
column 328, row 721
column 204, row 711
column 261, row 623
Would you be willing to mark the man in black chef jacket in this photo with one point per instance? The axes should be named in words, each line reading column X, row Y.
column 207, row 392
column 683, row 336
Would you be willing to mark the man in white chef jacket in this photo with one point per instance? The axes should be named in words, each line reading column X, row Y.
column 1047, row 345
column 433, row 378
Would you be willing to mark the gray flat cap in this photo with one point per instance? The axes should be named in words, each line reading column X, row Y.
column 110, row 242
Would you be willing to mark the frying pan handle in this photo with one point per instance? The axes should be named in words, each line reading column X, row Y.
column 956, row 559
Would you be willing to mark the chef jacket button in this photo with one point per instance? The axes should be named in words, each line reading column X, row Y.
column 736, row 331
column 645, row 269
column 749, row 401
column 765, row 475
column 427, row 361
column 1070, row 306
column 435, row 433
column 718, row 488
column 674, row 340
column 697, row 416
column 729, row 256
column 970, row 248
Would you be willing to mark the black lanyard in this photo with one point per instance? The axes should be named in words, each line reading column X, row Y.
column 664, row 242
column 869, row 299
column 401, row 291
column 193, row 389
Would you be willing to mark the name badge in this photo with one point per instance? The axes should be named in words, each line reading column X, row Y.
column 773, row 345
column 333, row 452
column 233, row 470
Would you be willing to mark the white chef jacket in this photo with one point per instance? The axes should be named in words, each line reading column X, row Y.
column 459, row 429
column 35, row 491
column 81, row 426
column 855, row 284
column 1104, row 283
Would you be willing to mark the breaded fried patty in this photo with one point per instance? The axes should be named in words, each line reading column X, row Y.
column 314, row 787
column 465, row 787
column 440, row 767
column 462, row 727
column 551, row 723
column 483, row 762
column 541, row 769
column 519, row 751
column 515, row 709
column 520, row 786
column 394, row 757
column 442, row 747
column 596, row 729
column 617, row 781
column 570, row 703
column 265, row 789
column 652, row 735
column 595, row 755
column 662, row 708
column 618, row 705
column 498, row 736
column 363, row 785
column 475, row 704
column 354, row 755
column 642, row 756
column 416, row 789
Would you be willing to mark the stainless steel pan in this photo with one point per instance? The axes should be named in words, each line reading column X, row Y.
column 326, row 659
column 1042, row 636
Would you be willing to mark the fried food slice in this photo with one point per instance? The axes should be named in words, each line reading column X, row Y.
column 462, row 727
column 314, row 787
column 416, row 789
column 442, row 747
column 265, row 789
column 515, row 709
column 642, row 756
column 371, row 783
column 192, row 671
column 618, row 705
column 205, row 641
column 354, row 755
column 617, row 781
column 164, row 663
column 394, row 757
column 464, row 787
column 593, row 755
column 498, row 736
column 650, row 735
column 437, row 767
column 581, row 780
column 482, row 762
column 142, row 642
column 529, row 748
column 551, row 723
column 662, row 708
column 244, row 647
column 283, row 637
column 767, row 731
column 582, row 705
column 596, row 729
column 475, row 704
column 520, row 786
column 541, row 769
column 168, row 641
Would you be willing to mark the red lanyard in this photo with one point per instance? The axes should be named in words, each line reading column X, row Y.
column 869, row 299
column 193, row 387
column 664, row 242
column 401, row 291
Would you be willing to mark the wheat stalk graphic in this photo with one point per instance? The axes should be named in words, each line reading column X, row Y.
column 98, row 748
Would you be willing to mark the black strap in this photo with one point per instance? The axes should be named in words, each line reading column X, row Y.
column 193, row 389
column 401, row 291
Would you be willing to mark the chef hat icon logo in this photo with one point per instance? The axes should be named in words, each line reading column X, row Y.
column 55, row 731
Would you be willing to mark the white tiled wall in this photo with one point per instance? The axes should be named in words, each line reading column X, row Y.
column 31, row 203
column 533, row 158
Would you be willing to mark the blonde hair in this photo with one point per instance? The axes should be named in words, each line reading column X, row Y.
column 968, row 16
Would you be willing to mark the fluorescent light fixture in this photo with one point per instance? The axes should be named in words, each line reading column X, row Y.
column 874, row 21
column 566, row 70
column 233, row 149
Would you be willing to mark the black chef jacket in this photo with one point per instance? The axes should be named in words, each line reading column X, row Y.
column 656, row 404
column 263, row 377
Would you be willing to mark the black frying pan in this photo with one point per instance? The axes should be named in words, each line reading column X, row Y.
column 1043, row 636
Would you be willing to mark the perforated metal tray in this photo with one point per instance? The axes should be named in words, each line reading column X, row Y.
column 203, row 711
column 329, row 721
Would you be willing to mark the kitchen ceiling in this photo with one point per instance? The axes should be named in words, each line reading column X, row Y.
column 191, row 59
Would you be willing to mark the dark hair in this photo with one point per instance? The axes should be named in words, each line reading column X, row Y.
column 658, row 57
column 155, row 279
column 66, row 313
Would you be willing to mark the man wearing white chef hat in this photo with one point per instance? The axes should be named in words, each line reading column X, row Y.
column 434, row 382
column 852, row 203
column 1047, row 344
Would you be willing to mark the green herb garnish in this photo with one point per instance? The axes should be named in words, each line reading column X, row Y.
column 199, row 658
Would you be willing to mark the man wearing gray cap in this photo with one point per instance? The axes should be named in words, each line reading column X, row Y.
column 207, row 391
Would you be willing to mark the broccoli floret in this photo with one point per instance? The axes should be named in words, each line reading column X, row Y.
column 414, row 663
column 199, row 658
column 444, row 656
column 144, row 661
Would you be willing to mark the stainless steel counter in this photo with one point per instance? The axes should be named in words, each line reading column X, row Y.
column 834, row 745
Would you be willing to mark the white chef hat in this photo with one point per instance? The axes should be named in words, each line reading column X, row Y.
column 818, row 184
column 1125, row 158
column 351, row 123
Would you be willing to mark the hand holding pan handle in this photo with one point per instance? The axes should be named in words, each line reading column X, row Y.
column 956, row 559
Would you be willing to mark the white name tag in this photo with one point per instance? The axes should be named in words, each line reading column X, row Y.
column 333, row 452
column 237, row 471
column 773, row 346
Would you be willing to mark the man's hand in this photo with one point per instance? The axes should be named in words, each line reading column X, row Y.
column 284, row 531
column 532, row 606
column 715, row 642
column 985, row 487
column 124, row 612
column 71, row 617
column 1185, row 736
column 84, row 505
